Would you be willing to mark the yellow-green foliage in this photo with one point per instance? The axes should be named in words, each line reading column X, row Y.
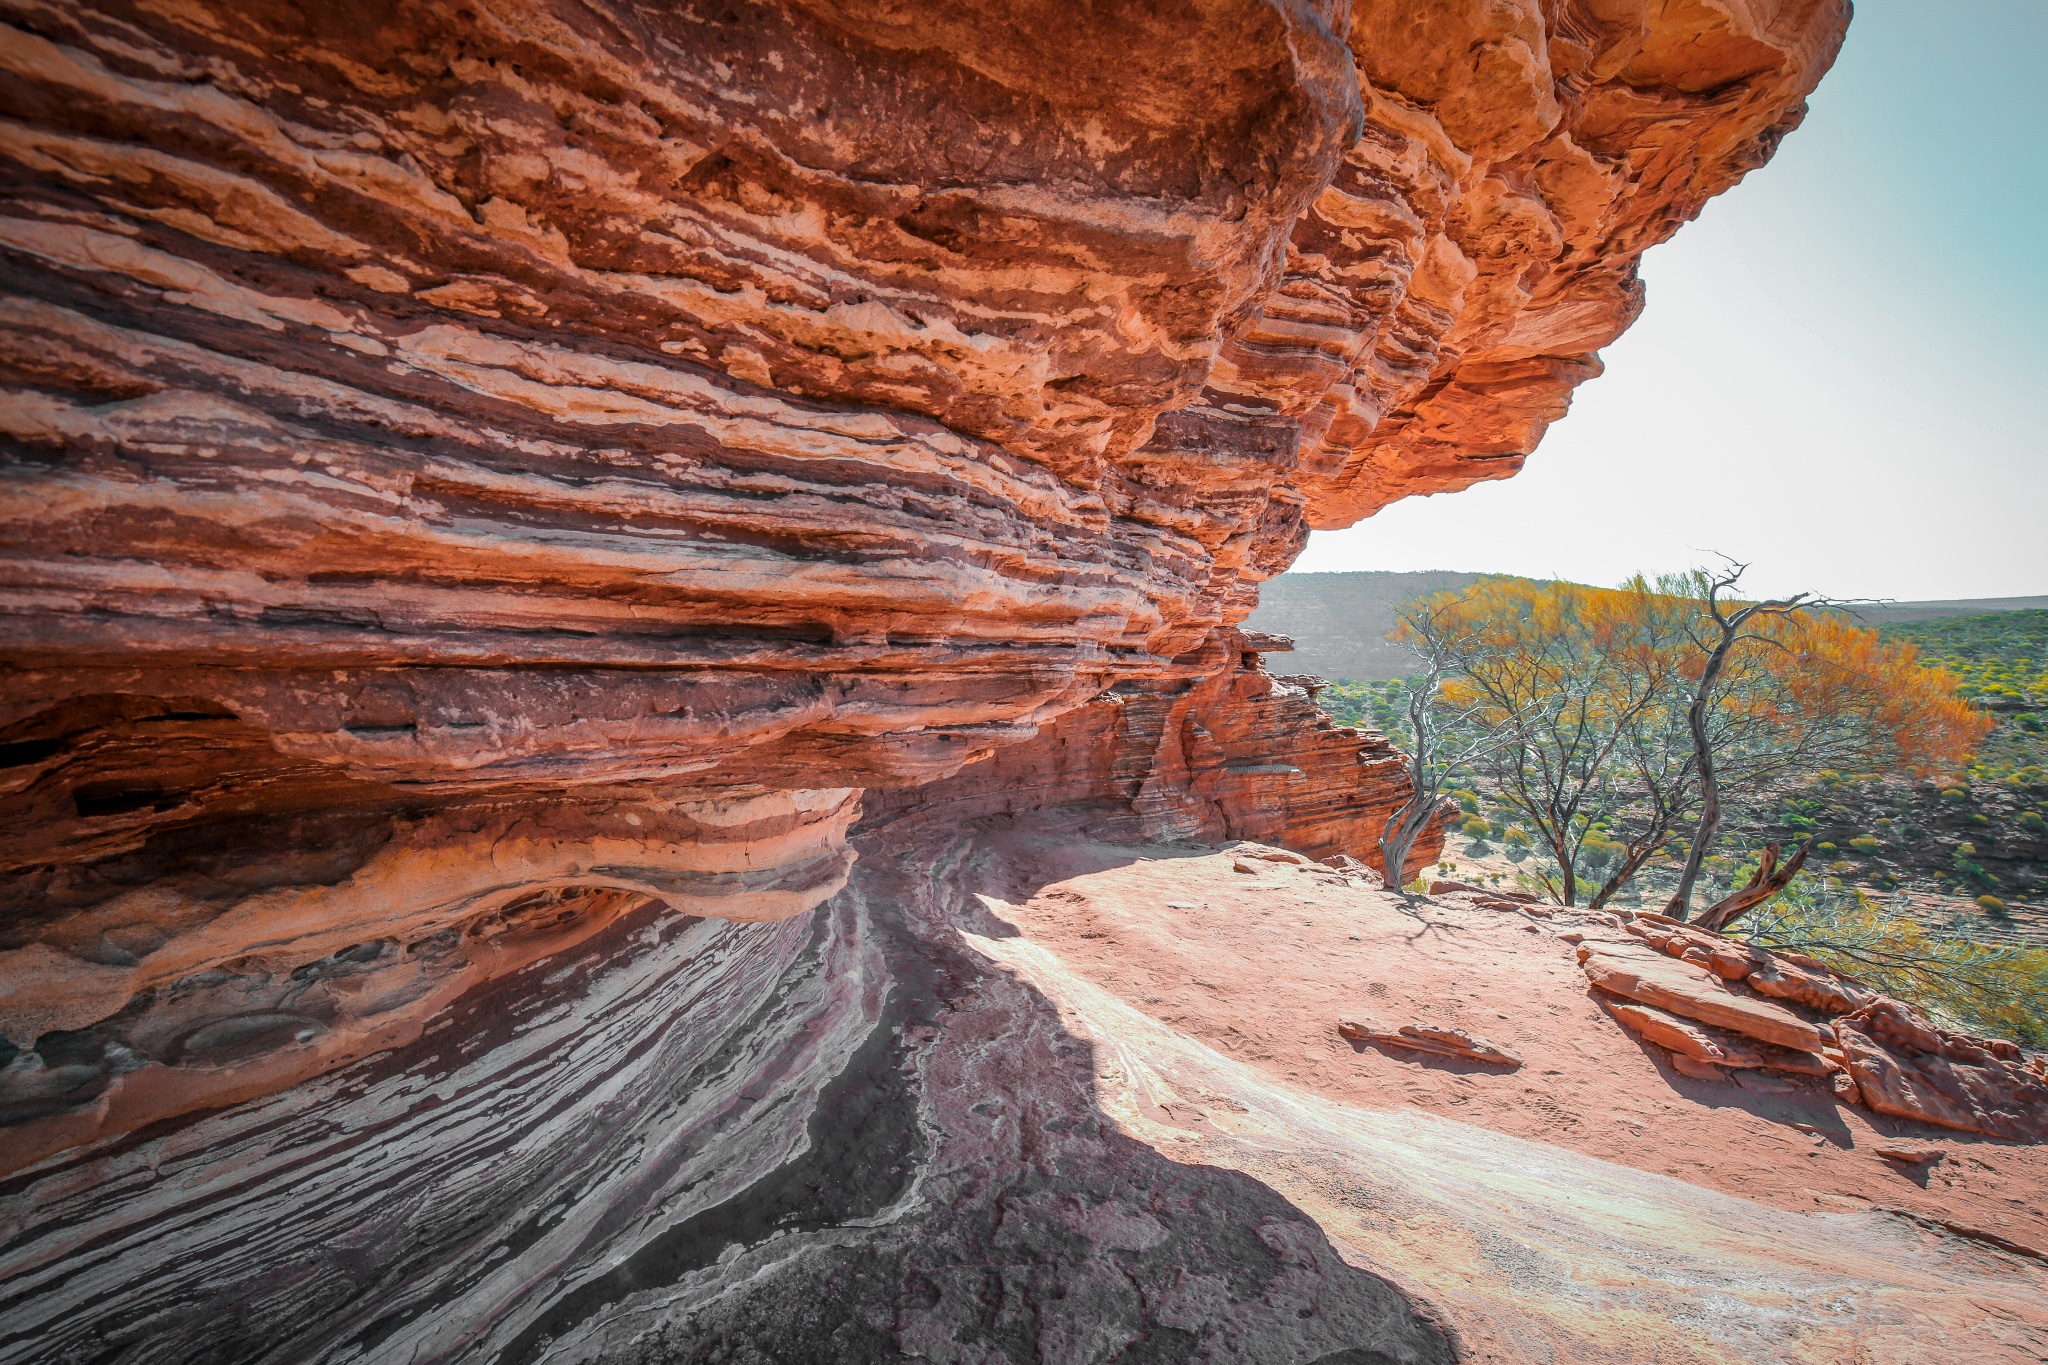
column 1981, row 987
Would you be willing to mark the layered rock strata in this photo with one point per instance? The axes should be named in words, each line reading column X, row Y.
column 1228, row 750
column 493, row 490
column 845, row 1137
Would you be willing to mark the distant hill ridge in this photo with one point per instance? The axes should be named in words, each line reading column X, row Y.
column 1340, row 621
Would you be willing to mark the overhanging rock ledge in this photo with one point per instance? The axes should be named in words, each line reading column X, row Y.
column 493, row 491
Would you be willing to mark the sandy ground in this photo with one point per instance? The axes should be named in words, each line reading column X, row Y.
column 1261, row 966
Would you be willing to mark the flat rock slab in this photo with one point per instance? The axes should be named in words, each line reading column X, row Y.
column 1684, row 989
column 1706, row 1043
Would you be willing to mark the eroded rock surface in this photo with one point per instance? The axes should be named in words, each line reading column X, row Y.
column 495, row 492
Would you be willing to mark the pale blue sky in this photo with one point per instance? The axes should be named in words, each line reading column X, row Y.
column 1840, row 374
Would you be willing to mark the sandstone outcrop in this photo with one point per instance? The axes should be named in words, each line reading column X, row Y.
column 1698, row 1001
column 1683, row 989
column 499, row 493
column 1906, row 1066
column 1706, row 1043
column 1224, row 751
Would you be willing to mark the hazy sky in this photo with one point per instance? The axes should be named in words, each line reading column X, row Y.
column 1842, row 374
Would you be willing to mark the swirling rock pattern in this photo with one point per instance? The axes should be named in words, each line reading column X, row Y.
column 843, row 1137
column 494, row 490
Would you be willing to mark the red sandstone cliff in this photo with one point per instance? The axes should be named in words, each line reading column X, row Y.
column 494, row 490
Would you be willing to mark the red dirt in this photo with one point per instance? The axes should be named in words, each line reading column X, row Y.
column 1262, row 966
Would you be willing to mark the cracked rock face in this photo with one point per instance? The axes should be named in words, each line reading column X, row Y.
column 490, row 484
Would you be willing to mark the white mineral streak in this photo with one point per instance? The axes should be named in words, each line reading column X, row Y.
column 540, row 1139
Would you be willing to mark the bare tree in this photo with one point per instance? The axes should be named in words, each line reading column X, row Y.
column 1722, row 626
column 1442, row 739
column 1661, row 765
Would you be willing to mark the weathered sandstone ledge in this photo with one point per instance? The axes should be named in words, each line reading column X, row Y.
column 496, row 491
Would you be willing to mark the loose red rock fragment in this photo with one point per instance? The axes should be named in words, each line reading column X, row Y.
column 1910, row 1154
column 1433, row 1038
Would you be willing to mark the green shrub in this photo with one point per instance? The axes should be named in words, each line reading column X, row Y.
column 1864, row 844
column 1825, row 848
column 1600, row 852
column 1954, row 794
column 2031, row 820
column 1467, row 801
column 1966, row 850
column 1991, row 905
